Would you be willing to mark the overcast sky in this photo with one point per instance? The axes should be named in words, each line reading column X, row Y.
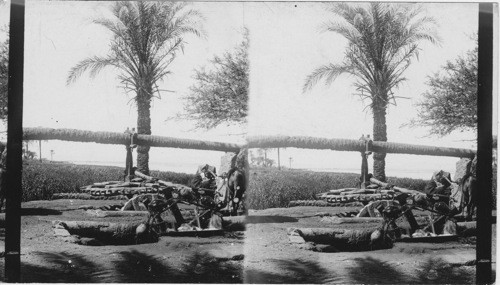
column 285, row 46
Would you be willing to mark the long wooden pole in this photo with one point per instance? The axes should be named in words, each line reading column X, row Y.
column 14, row 143
column 354, row 145
column 484, row 143
column 124, row 139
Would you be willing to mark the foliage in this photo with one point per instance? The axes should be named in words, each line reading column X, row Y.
column 220, row 94
column 4, row 78
column 146, row 39
column 450, row 104
column 383, row 39
column 270, row 188
column 41, row 180
column 147, row 36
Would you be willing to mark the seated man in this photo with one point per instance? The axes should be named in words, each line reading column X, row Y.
column 439, row 184
column 205, row 177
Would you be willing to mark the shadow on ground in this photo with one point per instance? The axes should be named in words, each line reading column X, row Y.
column 364, row 271
column 39, row 212
column 136, row 267
column 269, row 219
column 132, row 267
column 292, row 271
column 431, row 271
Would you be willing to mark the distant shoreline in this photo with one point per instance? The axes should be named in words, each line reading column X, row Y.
column 191, row 168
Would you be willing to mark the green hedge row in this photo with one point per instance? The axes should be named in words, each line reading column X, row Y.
column 271, row 188
column 41, row 180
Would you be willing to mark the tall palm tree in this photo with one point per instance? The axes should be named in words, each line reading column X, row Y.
column 383, row 39
column 147, row 37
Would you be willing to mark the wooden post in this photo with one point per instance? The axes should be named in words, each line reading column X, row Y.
column 364, row 170
column 129, row 161
column 365, row 179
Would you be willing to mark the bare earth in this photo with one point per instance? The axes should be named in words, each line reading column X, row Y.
column 271, row 258
column 262, row 254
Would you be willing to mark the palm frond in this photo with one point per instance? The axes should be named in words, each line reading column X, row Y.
column 383, row 40
column 327, row 72
column 146, row 39
column 93, row 64
column 347, row 30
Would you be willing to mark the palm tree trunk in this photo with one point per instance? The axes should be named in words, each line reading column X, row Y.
column 379, row 134
column 143, row 128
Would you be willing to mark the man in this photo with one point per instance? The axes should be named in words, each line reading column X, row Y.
column 205, row 177
column 439, row 184
column 468, row 187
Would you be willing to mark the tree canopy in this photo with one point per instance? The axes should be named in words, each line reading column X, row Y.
column 383, row 39
column 147, row 37
column 450, row 104
column 220, row 92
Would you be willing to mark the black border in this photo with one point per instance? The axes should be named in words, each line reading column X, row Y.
column 13, row 189
column 484, row 143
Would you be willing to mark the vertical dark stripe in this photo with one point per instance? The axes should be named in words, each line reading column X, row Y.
column 484, row 143
column 14, row 143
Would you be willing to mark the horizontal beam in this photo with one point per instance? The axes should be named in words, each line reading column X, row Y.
column 402, row 148
column 123, row 139
column 252, row 142
column 355, row 145
column 305, row 142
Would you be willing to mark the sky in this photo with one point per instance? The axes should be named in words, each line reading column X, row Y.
column 292, row 46
column 60, row 34
column 285, row 46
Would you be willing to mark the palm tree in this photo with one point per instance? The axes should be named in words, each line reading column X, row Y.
column 383, row 39
column 147, row 37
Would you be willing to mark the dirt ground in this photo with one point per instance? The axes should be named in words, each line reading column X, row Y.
column 47, row 258
column 261, row 254
column 270, row 258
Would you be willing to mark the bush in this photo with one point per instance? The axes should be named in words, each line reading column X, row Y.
column 270, row 187
column 41, row 180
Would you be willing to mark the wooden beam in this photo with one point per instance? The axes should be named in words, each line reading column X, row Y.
column 355, row 145
column 123, row 139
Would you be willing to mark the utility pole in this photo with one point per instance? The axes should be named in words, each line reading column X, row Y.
column 51, row 155
column 290, row 160
column 40, row 149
